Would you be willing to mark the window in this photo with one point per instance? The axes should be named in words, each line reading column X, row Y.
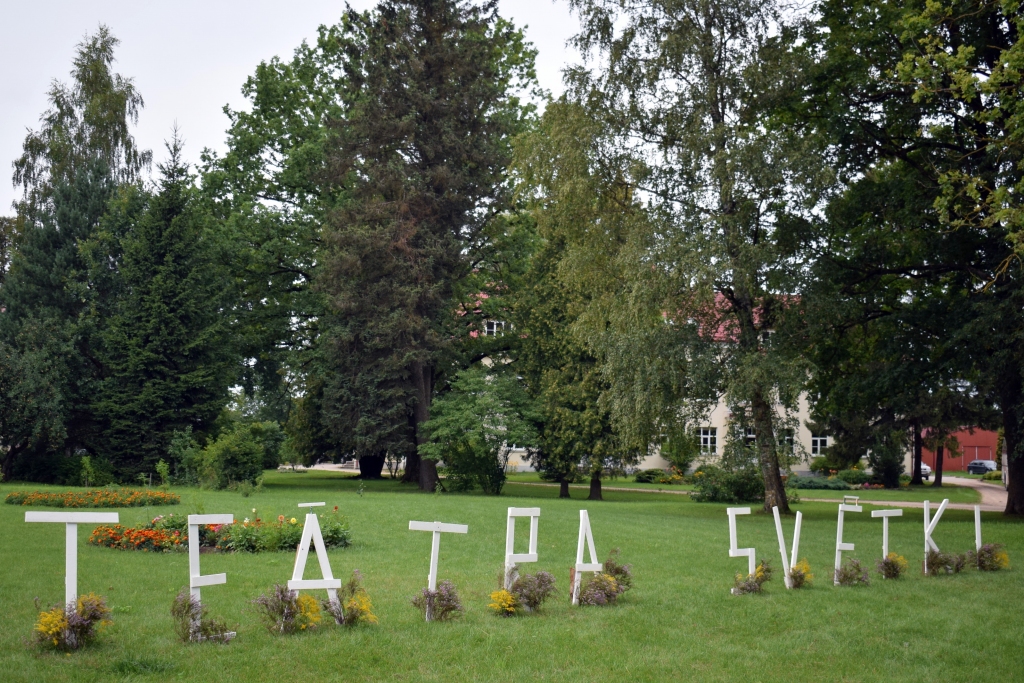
column 494, row 328
column 708, row 440
column 749, row 436
column 786, row 440
column 819, row 442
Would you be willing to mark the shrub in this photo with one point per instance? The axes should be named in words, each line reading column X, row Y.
column 286, row 611
column 994, row 475
column 892, row 566
column 71, row 626
column 531, row 590
column 355, row 603
column 648, row 476
column 713, row 484
column 441, row 604
column 945, row 563
column 752, row 583
column 853, row 476
column 800, row 574
column 989, row 558
column 101, row 498
column 504, row 603
column 797, row 482
column 819, row 465
column 192, row 622
column 852, row 573
column 601, row 589
column 235, row 456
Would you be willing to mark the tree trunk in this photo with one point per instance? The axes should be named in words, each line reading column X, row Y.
column 563, row 488
column 1011, row 400
column 424, row 377
column 595, row 487
column 938, row 467
column 371, row 466
column 916, row 477
column 768, row 457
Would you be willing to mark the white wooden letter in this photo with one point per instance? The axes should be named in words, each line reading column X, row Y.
column 790, row 562
column 885, row 515
column 511, row 558
column 977, row 527
column 71, row 520
column 437, row 528
column 840, row 546
column 311, row 532
column 733, row 550
column 195, row 578
column 929, row 528
column 585, row 536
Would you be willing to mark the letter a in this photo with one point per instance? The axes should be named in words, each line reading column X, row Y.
column 311, row 532
column 581, row 566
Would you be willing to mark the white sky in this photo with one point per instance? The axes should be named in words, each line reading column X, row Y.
column 189, row 58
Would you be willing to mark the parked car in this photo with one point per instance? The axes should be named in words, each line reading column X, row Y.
column 926, row 471
column 981, row 466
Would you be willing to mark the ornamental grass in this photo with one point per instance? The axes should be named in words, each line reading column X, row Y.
column 100, row 498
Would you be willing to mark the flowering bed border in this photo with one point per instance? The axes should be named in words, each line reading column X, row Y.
column 99, row 498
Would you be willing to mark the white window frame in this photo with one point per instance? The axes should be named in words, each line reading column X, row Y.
column 709, row 440
column 819, row 442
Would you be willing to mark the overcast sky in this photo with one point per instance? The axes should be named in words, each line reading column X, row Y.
column 189, row 58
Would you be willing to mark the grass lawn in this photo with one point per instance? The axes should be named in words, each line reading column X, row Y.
column 956, row 494
column 678, row 623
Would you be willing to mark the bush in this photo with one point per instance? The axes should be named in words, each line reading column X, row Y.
column 234, row 457
column 648, row 476
column 892, row 566
column 71, row 626
column 605, row 587
column 192, row 622
column 504, row 603
column 103, row 498
column 828, row 483
column 355, row 603
column 852, row 573
column 531, row 590
column 715, row 485
column 819, row 465
column 991, row 557
column 800, row 574
column 854, row 476
column 945, row 563
column 753, row 583
column 441, row 604
column 286, row 611
column 994, row 475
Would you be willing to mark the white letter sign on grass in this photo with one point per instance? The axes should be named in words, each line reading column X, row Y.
column 929, row 528
column 733, row 550
column 587, row 536
column 511, row 558
column 71, row 520
column 885, row 515
column 195, row 579
column 977, row 527
column 311, row 532
column 438, row 528
column 840, row 546
column 790, row 562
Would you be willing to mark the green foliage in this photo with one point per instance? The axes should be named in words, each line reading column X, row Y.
column 853, row 476
column 234, row 457
column 823, row 483
column 474, row 426
column 648, row 476
column 165, row 346
column 714, row 484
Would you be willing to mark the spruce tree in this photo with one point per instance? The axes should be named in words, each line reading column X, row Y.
column 165, row 348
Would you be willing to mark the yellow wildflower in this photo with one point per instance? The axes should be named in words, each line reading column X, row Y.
column 504, row 603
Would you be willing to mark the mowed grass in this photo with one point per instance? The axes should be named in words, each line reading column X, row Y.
column 678, row 623
column 956, row 494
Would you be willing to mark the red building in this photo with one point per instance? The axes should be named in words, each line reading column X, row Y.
column 975, row 444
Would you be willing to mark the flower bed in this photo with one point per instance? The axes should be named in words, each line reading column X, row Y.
column 100, row 498
column 170, row 532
